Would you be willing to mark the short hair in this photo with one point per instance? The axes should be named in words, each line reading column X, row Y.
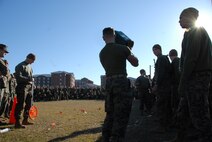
column 31, row 56
column 191, row 12
column 173, row 52
column 108, row 31
column 142, row 71
column 157, row 46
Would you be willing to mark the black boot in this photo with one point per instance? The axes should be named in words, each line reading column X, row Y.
column 26, row 122
column 18, row 125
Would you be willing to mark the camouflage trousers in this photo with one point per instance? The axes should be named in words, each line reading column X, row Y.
column 210, row 99
column 175, row 98
column 118, row 107
column 145, row 100
column 163, row 105
column 24, row 101
column 193, row 112
column 1, row 95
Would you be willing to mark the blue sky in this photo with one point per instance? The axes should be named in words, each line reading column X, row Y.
column 66, row 35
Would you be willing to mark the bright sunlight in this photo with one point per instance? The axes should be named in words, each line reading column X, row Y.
column 205, row 20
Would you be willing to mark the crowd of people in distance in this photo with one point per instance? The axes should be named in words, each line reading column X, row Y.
column 57, row 94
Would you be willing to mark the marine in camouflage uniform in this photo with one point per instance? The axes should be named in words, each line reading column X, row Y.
column 5, row 93
column 23, row 75
column 118, row 94
column 142, row 84
column 162, row 88
column 210, row 99
column 3, row 75
column 175, row 79
column 196, row 66
column 12, row 86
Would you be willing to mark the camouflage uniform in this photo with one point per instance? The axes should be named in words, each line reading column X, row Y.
column 23, row 75
column 210, row 99
column 12, row 86
column 118, row 107
column 113, row 58
column 193, row 116
column 143, row 87
column 175, row 77
column 4, row 96
column 163, row 79
column 196, row 65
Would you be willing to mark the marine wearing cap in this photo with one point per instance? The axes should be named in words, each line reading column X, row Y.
column 4, row 48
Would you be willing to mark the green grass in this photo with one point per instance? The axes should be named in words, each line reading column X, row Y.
column 68, row 121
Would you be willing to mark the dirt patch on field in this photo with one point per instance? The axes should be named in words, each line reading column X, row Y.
column 141, row 128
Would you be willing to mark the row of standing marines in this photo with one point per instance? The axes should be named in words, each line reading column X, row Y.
column 18, row 84
column 181, row 87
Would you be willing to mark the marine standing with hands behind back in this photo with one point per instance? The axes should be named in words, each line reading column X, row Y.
column 118, row 101
column 23, row 75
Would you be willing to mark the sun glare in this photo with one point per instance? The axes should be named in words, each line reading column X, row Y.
column 205, row 20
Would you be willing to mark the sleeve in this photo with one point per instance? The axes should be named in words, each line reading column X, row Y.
column 176, row 66
column 192, row 53
column 162, row 66
column 3, row 69
column 137, row 82
column 127, row 51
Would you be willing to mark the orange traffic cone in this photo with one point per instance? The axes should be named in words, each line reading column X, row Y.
column 12, row 113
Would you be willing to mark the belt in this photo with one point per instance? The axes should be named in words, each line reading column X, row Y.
column 116, row 76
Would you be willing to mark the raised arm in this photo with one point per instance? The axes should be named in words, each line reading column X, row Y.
column 133, row 60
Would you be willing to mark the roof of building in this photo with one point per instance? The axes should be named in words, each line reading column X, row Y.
column 58, row 72
column 46, row 75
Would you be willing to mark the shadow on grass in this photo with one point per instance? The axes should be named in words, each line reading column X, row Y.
column 77, row 133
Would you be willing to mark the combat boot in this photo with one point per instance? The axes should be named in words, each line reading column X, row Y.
column 18, row 125
column 26, row 122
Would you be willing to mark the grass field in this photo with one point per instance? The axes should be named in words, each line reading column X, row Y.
column 68, row 121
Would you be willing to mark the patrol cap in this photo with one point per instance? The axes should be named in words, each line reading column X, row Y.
column 4, row 47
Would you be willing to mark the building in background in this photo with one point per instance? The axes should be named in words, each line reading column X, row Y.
column 42, row 80
column 85, row 83
column 62, row 79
